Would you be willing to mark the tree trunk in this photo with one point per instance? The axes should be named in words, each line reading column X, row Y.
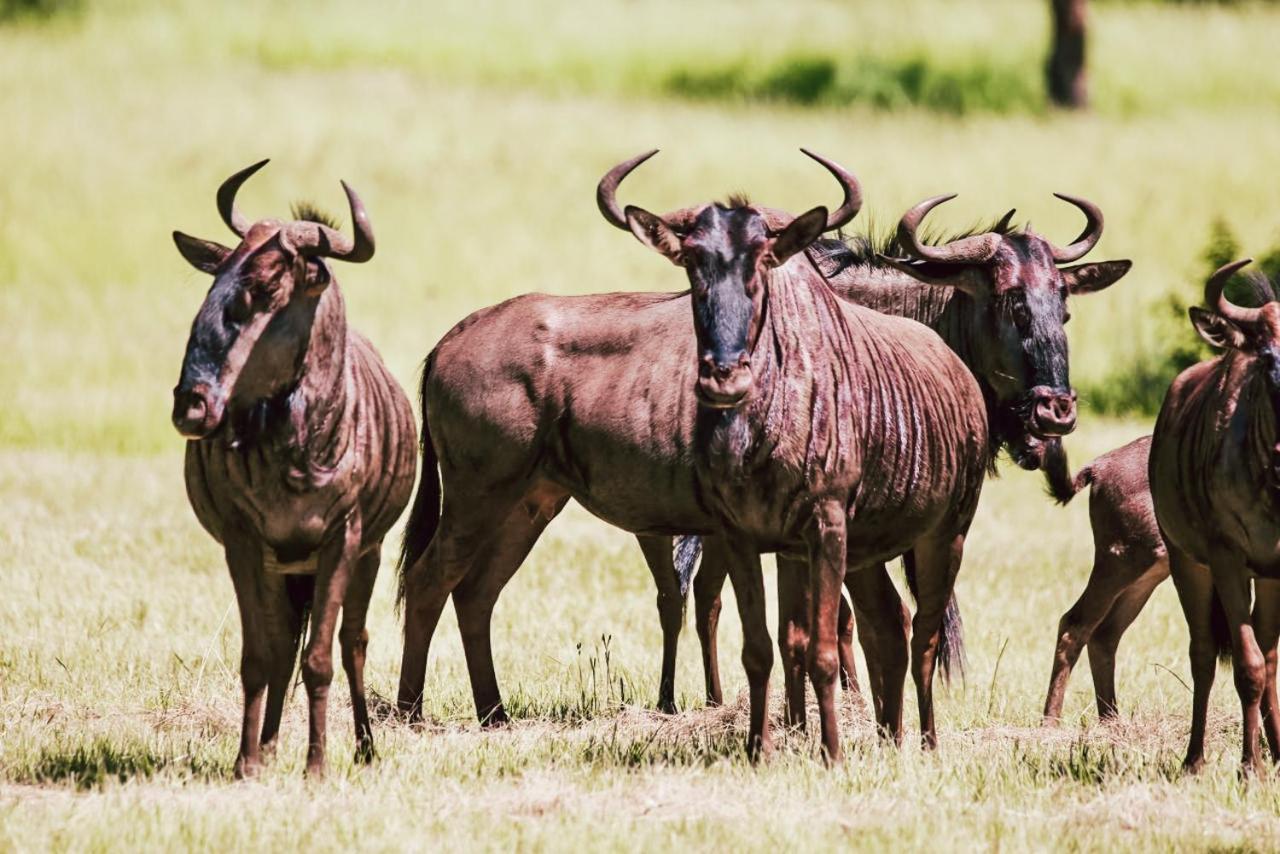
column 1068, row 86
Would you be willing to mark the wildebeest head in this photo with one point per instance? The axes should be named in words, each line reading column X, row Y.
column 726, row 252
column 1019, row 297
column 1253, row 332
column 249, row 339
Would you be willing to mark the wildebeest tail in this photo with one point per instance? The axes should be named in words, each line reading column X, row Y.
column 687, row 551
column 424, row 518
column 951, row 637
column 1057, row 474
column 1219, row 629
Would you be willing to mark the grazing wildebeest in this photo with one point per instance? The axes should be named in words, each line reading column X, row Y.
column 827, row 432
column 526, row 404
column 998, row 298
column 301, row 455
column 1215, row 484
column 1130, row 560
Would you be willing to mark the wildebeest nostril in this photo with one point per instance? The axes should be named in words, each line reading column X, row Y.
column 1055, row 412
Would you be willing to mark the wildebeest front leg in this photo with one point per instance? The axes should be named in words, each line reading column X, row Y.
column 1195, row 594
column 244, row 560
column 743, row 562
column 848, row 666
column 827, row 550
column 354, row 640
column 794, row 608
column 336, row 564
column 657, row 554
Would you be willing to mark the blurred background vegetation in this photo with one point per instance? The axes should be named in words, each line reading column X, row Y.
column 476, row 130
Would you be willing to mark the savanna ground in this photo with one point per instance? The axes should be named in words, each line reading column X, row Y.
column 475, row 132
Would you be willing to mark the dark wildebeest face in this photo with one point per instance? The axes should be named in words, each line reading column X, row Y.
column 1254, row 332
column 1018, row 294
column 726, row 252
column 249, row 340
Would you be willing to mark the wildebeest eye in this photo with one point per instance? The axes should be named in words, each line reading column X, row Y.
column 241, row 306
column 1021, row 313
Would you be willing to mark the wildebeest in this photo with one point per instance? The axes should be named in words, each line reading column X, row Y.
column 1215, row 484
column 301, row 456
column 828, row 432
column 1130, row 560
column 998, row 298
column 526, row 404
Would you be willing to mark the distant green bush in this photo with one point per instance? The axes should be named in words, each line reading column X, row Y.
column 1141, row 388
column 15, row 10
column 974, row 86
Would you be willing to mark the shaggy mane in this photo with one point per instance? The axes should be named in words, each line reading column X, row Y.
column 859, row 249
column 310, row 212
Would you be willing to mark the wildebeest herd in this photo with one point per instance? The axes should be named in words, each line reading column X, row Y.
column 838, row 402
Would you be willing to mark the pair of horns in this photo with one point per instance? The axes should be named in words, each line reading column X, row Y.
column 310, row 238
column 1215, row 299
column 982, row 247
column 606, row 191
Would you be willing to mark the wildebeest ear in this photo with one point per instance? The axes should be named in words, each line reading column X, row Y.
column 654, row 232
column 1091, row 278
column 204, row 255
column 802, row 231
column 1215, row 329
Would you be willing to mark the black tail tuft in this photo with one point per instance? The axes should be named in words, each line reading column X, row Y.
column 1219, row 628
column 1057, row 474
column 424, row 517
column 951, row 637
column 687, row 552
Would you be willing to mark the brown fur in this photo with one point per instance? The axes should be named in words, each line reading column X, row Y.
column 861, row 422
column 301, row 458
column 1214, row 484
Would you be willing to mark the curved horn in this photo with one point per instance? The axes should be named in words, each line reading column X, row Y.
column 227, row 198
column 848, row 183
column 1216, row 300
column 967, row 250
column 316, row 239
column 1087, row 239
column 608, row 186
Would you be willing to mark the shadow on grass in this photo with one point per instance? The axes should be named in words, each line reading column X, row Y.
column 101, row 761
column 974, row 85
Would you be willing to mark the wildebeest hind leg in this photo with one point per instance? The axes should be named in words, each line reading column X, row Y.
column 287, row 597
column 466, row 524
column 937, row 561
column 1266, row 621
column 353, row 637
column 658, row 556
column 475, row 597
column 1106, row 637
column 707, row 585
column 882, row 633
column 1107, row 580
column 1195, row 594
column 1231, row 582
column 793, row 634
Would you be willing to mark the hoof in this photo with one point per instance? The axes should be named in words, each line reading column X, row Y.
column 365, row 754
column 247, row 769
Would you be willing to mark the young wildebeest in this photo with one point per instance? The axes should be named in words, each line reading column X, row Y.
column 999, row 300
column 1130, row 560
column 828, row 432
column 1215, row 483
column 301, row 456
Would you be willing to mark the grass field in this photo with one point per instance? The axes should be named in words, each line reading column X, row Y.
column 475, row 135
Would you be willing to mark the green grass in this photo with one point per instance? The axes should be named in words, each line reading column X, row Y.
column 476, row 134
